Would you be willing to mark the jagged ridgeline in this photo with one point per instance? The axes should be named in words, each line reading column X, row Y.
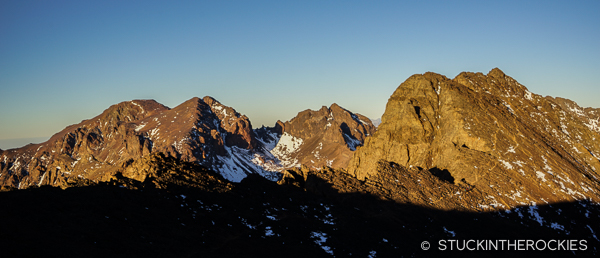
column 202, row 131
column 474, row 157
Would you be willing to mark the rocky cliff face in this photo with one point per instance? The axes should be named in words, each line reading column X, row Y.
column 484, row 132
column 325, row 137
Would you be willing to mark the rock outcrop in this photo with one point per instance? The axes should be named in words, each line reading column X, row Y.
column 487, row 132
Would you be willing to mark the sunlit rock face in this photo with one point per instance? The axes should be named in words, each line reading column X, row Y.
column 505, row 145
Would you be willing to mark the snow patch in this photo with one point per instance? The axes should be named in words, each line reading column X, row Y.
column 317, row 150
column 139, row 127
column 506, row 164
column 153, row 132
column 593, row 233
column 593, row 124
column 534, row 213
column 136, row 104
column 557, row 226
column 449, row 232
column 372, row 254
column 320, row 238
column 245, row 222
column 511, row 149
column 284, row 149
column 329, row 162
column 540, row 175
column 271, row 142
column 42, row 179
column 528, row 95
column 351, row 142
column 179, row 144
column 577, row 110
column 238, row 163
column 269, row 232
column 357, row 119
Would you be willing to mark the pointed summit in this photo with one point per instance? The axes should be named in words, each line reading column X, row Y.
column 324, row 137
column 496, row 73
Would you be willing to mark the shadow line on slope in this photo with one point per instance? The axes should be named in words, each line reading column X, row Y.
column 259, row 218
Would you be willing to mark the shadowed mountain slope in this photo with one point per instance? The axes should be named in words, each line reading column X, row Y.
column 183, row 209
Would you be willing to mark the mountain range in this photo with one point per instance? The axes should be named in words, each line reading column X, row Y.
column 478, row 156
column 203, row 131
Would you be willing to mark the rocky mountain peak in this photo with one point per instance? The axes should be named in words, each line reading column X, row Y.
column 324, row 137
column 495, row 82
column 334, row 106
column 488, row 132
column 238, row 126
column 496, row 73
column 199, row 130
column 130, row 111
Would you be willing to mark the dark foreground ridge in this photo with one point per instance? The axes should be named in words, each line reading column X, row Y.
column 184, row 210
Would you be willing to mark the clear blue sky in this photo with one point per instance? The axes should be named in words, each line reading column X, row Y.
column 65, row 61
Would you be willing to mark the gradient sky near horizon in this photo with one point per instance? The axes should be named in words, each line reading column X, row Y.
column 65, row 61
